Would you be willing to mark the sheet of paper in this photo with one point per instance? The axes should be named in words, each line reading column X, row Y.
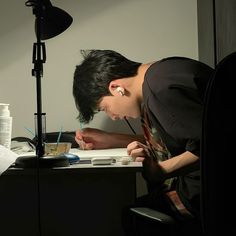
column 7, row 158
column 88, row 154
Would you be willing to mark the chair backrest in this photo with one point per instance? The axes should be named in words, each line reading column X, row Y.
column 219, row 150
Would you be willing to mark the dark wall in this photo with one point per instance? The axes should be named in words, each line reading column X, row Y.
column 216, row 29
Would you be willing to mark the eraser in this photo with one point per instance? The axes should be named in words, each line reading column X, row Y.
column 101, row 160
column 125, row 160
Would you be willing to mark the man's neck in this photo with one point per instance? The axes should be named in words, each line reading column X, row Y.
column 139, row 79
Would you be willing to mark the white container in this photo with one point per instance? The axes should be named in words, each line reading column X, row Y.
column 5, row 125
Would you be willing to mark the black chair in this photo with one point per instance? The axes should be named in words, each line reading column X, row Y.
column 218, row 198
column 218, row 142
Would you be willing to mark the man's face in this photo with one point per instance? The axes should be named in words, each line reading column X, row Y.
column 120, row 107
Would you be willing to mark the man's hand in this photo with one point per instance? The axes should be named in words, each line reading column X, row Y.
column 90, row 138
column 137, row 151
column 152, row 171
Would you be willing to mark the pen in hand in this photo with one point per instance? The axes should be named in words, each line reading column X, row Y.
column 81, row 143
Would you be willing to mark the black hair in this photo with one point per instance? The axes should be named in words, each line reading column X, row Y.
column 93, row 76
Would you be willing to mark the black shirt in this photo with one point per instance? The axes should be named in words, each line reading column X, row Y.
column 173, row 92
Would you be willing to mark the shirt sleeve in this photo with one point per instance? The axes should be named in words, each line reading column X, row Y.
column 179, row 111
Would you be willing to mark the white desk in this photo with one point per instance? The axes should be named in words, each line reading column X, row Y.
column 80, row 200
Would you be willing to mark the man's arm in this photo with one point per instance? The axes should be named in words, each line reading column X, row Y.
column 99, row 139
column 180, row 165
column 157, row 172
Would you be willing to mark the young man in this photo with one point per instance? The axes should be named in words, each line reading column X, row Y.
column 168, row 97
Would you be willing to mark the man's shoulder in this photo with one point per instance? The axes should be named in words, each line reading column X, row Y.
column 178, row 60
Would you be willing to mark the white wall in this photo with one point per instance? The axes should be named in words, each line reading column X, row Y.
column 141, row 30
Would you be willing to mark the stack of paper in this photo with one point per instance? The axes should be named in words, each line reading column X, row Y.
column 7, row 158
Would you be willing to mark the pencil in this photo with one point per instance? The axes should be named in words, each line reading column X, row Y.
column 59, row 136
column 30, row 131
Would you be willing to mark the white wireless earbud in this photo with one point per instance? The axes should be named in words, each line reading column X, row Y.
column 120, row 91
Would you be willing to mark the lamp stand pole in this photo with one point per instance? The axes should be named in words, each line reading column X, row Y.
column 39, row 57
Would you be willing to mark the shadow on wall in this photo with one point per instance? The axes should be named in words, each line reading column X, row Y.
column 17, row 24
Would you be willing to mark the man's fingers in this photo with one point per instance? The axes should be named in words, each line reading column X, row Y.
column 133, row 146
column 139, row 159
column 139, row 152
column 83, row 145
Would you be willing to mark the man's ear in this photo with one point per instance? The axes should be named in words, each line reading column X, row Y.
column 121, row 91
column 116, row 89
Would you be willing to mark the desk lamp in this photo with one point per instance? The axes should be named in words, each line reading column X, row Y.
column 50, row 21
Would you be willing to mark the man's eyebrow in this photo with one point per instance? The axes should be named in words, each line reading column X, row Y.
column 101, row 109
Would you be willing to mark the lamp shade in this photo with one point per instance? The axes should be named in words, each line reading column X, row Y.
column 53, row 21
